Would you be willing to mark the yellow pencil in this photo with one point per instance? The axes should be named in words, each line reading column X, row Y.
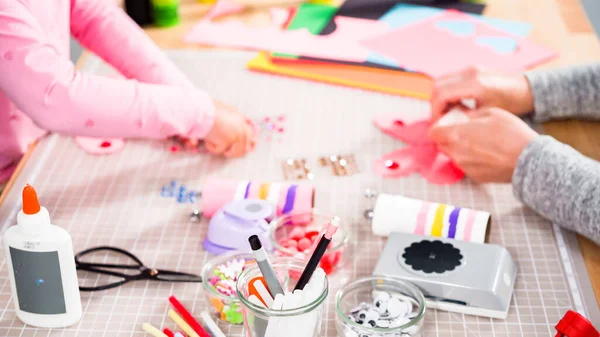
column 149, row 328
column 182, row 324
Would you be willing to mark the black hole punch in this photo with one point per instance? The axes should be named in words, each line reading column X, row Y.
column 432, row 256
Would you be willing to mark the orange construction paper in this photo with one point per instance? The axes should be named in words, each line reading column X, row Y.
column 381, row 80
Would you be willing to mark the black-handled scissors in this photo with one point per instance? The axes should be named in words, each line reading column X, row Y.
column 144, row 273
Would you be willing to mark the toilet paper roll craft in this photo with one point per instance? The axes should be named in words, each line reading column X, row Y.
column 288, row 198
column 456, row 276
column 397, row 213
column 100, row 146
column 420, row 155
column 231, row 226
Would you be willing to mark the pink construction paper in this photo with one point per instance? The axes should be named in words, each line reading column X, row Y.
column 279, row 16
column 341, row 45
column 100, row 146
column 222, row 8
column 435, row 51
column 420, row 156
column 411, row 133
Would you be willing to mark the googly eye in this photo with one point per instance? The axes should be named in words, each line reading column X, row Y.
column 383, row 323
column 372, row 323
column 372, row 315
column 362, row 314
column 381, row 307
column 380, row 296
column 399, row 322
column 396, row 308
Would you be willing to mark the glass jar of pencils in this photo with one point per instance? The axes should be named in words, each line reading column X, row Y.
column 297, row 313
column 220, row 275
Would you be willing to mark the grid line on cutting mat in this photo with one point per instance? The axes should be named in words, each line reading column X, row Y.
column 115, row 200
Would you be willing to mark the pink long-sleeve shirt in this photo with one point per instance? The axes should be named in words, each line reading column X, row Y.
column 41, row 91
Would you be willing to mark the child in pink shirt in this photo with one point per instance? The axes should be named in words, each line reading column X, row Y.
column 40, row 90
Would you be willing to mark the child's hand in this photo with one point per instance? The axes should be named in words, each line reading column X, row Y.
column 232, row 134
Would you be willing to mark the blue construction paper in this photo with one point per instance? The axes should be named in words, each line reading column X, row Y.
column 405, row 14
column 382, row 60
column 459, row 28
column 502, row 45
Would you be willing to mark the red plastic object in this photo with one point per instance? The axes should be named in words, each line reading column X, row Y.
column 574, row 325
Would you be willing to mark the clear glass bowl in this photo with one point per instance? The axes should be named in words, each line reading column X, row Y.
column 354, row 293
column 281, row 228
column 224, row 307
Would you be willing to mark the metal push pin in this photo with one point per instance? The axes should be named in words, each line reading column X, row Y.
column 369, row 212
column 196, row 215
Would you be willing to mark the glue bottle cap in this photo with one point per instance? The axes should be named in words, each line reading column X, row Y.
column 33, row 217
column 574, row 325
column 31, row 205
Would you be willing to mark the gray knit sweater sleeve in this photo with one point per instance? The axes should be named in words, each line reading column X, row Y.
column 560, row 184
column 552, row 178
column 572, row 92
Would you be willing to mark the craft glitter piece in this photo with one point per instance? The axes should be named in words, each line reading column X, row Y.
column 271, row 127
column 179, row 192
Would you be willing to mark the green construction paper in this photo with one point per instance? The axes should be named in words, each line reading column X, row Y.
column 311, row 16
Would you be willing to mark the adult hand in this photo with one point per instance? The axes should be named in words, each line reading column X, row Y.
column 487, row 146
column 232, row 134
column 488, row 89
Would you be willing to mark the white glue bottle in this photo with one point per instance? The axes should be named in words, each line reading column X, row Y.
column 41, row 266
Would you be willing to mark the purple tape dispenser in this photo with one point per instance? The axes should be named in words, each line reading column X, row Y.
column 231, row 226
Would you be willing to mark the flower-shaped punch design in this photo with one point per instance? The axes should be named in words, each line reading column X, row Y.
column 432, row 256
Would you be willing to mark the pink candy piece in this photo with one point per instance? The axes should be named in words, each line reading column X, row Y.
column 290, row 244
column 280, row 129
column 174, row 148
column 297, row 233
column 281, row 118
column 304, row 244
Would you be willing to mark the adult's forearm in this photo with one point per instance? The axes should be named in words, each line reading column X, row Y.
column 560, row 184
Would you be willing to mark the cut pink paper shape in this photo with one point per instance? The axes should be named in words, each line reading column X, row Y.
column 412, row 133
column 341, row 45
column 100, row 146
column 279, row 16
column 434, row 51
column 420, row 156
column 222, row 8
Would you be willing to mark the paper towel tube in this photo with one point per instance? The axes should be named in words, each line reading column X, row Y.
column 396, row 213
column 289, row 198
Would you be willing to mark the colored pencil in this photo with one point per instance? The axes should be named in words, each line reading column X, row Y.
column 193, row 323
column 182, row 324
column 314, row 260
column 149, row 328
column 168, row 332
column 211, row 325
